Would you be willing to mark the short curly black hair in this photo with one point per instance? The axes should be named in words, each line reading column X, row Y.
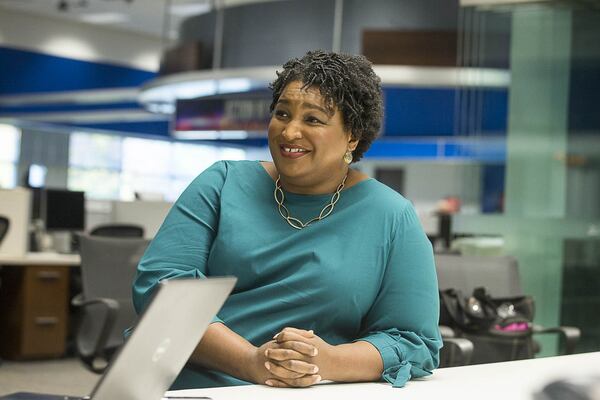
column 344, row 80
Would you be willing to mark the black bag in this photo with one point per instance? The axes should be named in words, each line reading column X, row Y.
column 500, row 328
column 472, row 314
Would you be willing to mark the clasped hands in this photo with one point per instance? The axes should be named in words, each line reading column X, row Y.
column 294, row 358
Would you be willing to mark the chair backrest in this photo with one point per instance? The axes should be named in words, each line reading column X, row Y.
column 108, row 267
column 4, row 225
column 118, row 230
column 500, row 275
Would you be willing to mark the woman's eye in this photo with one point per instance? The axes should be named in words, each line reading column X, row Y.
column 280, row 114
column 314, row 120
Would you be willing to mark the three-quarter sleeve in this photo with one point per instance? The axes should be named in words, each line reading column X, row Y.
column 403, row 321
column 182, row 245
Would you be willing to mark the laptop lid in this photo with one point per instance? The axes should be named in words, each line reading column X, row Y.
column 164, row 338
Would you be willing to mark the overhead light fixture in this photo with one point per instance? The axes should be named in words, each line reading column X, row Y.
column 234, row 85
column 104, row 18
column 193, row 90
column 160, row 92
column 158, row 108
column 212, row 135
column 189, row 9
column 160, row 95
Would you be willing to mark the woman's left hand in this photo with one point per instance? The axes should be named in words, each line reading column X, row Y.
column 289, row 355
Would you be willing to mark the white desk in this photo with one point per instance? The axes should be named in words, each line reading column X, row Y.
column 34, row 304
column 45, row 259
column 516, row 380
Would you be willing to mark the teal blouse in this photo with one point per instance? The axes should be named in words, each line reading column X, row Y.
column 366, row 272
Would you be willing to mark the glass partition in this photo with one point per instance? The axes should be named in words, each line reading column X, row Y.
column 549, row 188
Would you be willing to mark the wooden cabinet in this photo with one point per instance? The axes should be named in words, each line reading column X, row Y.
column 33, row 311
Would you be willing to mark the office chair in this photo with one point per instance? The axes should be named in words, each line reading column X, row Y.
column 457, row 351
column 4, row 225
column 108, row 267
column 118, row 230
column 500, row 276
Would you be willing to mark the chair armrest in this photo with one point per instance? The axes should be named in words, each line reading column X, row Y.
column 462, row 347
column 79, row 301
column 112, row 309
column 570, row 334
column 447, row 332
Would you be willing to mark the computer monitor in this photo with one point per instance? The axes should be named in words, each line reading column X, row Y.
column 63, row 210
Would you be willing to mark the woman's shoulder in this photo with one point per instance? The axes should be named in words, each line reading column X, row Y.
column 384, row 196
column 247, row 171
column 392, row 209
column 241, row 165
column 224, row 170
column 236, row 167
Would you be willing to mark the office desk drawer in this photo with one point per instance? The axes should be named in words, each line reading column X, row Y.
column 33, row 311
column 45, row 288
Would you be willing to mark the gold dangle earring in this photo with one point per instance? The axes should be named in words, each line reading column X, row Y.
column 348, row 157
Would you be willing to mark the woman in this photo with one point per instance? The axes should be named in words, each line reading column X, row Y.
column 336, row 279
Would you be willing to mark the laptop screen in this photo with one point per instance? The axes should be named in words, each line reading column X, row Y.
column 166, row 335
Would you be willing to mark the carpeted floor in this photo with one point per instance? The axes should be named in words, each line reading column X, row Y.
column 64, row 376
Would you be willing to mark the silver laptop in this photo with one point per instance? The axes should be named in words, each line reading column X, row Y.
column 163, row 340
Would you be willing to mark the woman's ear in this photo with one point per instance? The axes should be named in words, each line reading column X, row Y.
column 352, row 143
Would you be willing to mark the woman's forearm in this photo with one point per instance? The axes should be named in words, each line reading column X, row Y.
column 356, row 362
column 224, row 350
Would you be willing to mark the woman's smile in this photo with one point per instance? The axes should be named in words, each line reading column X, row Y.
column 293, row 151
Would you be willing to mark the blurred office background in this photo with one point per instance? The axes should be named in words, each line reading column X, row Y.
column 492, row 118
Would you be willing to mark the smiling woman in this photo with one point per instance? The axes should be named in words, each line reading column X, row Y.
column 308, row 142
column 336, row 279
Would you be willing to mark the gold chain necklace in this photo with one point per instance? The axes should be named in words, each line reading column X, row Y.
column 295, row 222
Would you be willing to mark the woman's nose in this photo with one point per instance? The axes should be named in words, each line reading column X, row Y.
column 291, row 131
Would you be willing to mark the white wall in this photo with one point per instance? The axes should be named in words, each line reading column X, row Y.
column 148, row 214
column 15, row 205
column 78, row 41
column 426, row 183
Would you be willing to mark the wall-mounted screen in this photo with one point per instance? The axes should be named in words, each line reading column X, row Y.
column 243, row 112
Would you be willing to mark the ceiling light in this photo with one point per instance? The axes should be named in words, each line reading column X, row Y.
column 167, row 108
column 234, row 85
column 104, row 18
column 211, row 135
column 195, row 84
column 186, row 10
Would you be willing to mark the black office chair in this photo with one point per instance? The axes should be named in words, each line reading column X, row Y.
column 108, row 267
column 4, row 225
column 457, row 351
column 118, row 230
column 500, row 277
